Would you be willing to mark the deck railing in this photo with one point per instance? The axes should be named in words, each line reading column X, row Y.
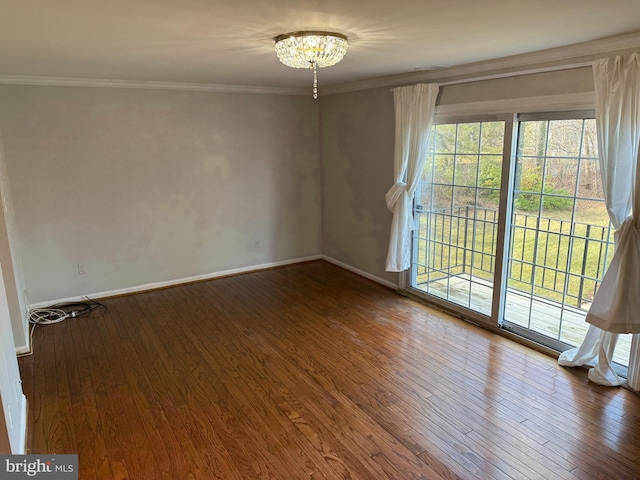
column 553, row 258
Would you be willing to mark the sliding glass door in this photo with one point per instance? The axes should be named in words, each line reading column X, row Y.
column 522, row 240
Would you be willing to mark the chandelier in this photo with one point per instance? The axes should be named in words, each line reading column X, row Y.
column 311, row 50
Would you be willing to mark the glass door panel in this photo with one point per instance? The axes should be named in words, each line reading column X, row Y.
column 561, row 240
column 456, row 214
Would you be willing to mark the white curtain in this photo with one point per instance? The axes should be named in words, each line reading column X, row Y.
column 414, row 108
column 616, row 306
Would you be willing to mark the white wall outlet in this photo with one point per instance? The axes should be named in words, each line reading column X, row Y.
column 81, row 269
column 257, row 245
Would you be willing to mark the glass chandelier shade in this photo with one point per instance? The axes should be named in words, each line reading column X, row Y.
column 311, row 50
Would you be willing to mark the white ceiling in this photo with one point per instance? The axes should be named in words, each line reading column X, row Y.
column 230, row 42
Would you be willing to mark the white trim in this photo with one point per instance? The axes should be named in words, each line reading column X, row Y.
column 23, row 350
column 179, row 281
column 562, row 58
column 23, row 426
column 362, row 273
column 97, row 82
column 546, row 103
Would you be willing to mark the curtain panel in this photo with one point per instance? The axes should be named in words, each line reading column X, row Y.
column 414, row 109
column 616, row 305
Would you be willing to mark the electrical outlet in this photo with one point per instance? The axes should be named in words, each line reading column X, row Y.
column 81, row 269
column 257, row 245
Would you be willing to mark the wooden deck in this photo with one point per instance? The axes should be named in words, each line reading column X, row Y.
column 540, row 315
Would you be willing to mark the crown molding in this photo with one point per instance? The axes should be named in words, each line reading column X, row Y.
column 558, row 58
column 96, row 82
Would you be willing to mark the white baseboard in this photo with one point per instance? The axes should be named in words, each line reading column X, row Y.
column 178, row 281
column 362, row 273
column 23, row 350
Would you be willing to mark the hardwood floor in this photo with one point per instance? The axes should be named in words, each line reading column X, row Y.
column 309, row 371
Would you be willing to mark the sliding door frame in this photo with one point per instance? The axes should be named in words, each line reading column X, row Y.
column 504, row 215
column 405, row 281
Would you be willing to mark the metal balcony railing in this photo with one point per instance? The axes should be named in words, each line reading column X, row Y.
column 559, row 260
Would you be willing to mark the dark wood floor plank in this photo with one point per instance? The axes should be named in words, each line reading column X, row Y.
column 309, row 371
column 255, row 410
column 65, row 436
column 50, row 392
column 582, row 450
column 93, row 455
column 187, row 405
column 96, row 397
column 147, row 454
column 158, row 411
column 33, row 365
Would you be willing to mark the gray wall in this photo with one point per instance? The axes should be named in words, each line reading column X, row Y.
column 144, row 186
column 357, row 166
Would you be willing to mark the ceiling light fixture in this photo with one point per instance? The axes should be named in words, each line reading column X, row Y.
column 311, row 50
